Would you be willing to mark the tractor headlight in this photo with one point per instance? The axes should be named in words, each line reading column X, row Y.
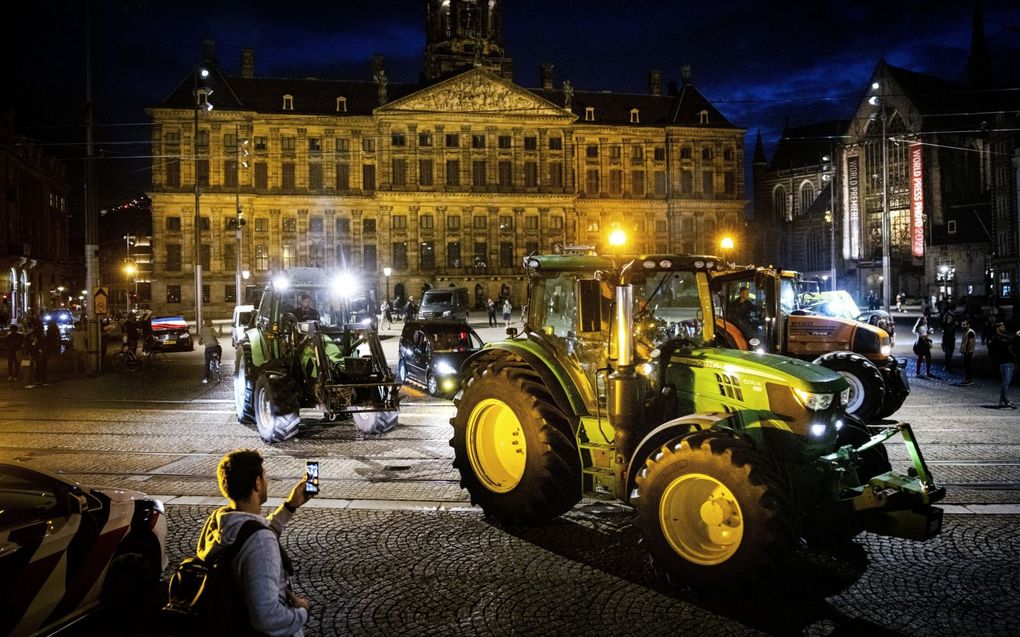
column 886, row 350
column 817, row 430
column 646, row 369
column 814, row 402
column 844, row 397
column 445, row 369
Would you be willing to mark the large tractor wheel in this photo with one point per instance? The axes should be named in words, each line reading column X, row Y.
column 375, row 422
column 514, row 447
column 244, row 386
column 712, row 511
column 867, row 387
column 276, row 407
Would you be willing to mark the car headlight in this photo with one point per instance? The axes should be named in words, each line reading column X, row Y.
column 814, row 402
column 445, row 369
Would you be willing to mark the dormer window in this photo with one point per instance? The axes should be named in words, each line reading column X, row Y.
column 589, row 113
column 341, row 105
column 702, row 117
column 288, row 102
column 634, row 117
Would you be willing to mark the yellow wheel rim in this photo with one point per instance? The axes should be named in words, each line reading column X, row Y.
column 495, row 445
column 701, row 519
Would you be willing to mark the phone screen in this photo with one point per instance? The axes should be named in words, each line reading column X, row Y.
column 312, row 473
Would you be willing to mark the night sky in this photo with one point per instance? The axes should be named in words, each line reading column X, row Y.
column 762, row 64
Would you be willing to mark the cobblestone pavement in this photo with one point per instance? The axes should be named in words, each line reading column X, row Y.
column 395, row 548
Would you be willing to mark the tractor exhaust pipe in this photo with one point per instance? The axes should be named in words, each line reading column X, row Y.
column 624, row 326
column 626, row 395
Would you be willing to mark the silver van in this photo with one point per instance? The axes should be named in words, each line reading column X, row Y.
column 445, row 303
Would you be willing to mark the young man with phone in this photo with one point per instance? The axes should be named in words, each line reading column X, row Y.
column 261, row 566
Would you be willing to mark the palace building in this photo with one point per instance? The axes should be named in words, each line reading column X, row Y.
column 448, row 182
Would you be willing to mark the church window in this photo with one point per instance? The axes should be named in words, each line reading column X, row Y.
column 807, row 197
column 779, row 203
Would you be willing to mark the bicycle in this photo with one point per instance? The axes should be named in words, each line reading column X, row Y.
column 214, row 367
column 152, row 356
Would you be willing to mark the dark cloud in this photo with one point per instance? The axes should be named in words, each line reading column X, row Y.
column 762, row 63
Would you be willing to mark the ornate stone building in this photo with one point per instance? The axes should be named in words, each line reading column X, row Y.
column 448, row 182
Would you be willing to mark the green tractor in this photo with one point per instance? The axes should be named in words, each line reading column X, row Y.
column 614, row 391
column 313, row 343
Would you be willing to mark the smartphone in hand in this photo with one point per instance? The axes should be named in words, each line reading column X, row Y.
column 312, row 478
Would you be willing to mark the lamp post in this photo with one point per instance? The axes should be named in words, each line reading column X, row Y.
column 886, row 278
column 828, row 175
column 386, row 273
column 201, row 95
column 240, row 153
column 726, row 244
column 129, row 272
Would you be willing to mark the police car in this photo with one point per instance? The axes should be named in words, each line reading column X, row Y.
column 65, row 549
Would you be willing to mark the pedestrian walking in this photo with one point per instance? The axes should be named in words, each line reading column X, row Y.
column 131, row 330
column 967, row 344
column 36, row 344
column 507, row 309
column 261, row 568
column 409, row 309
column 79, row 348
column 490, row 307
column 899, row 302
column 386, row 320
column 52, row 339
column 209, row 337
column 15, row 343
column 1004, row 352
column 949, row 339
column 922, row 346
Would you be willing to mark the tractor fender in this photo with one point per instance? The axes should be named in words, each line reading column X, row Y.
column 564, row 392
column 667, row 432
column 841, row 354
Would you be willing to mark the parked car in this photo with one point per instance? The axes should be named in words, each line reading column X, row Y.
column 431, row 352
column 64, row 320
column 172, row 333
column 242, row 314
column 65, row 549
column 449, row 303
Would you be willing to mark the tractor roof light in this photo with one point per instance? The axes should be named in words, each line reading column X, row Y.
column 345, row 285
column 281, row 282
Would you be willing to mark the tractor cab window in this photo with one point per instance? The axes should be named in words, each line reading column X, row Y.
column 667, row 305
column 553, row 311
column 743, row 313
column 787, row 295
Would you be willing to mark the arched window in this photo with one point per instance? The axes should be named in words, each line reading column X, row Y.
column 814, row 252
column 807, row 197
column 779, row 204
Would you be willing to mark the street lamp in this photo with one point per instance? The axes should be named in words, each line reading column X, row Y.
column 386, row 273
column 886, row 278
column 726, row 244
column 201, row 95
column 240, row 161
column 828, row 176
column 129, row 270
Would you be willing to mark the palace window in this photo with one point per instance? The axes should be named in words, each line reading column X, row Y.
column 288, row 102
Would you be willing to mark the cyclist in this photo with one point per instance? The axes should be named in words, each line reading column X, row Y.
column 210, row 338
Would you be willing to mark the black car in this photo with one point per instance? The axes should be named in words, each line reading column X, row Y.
column 431, row 353
column 64, row 320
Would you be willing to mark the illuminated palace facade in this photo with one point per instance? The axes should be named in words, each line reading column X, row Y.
column 447, row 182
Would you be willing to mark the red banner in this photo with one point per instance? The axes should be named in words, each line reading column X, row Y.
column 916, row 201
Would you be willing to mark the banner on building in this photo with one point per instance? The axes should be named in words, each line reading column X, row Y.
column 852, row 207
column 916, row 201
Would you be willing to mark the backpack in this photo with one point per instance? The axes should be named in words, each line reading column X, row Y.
column 204, row 596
